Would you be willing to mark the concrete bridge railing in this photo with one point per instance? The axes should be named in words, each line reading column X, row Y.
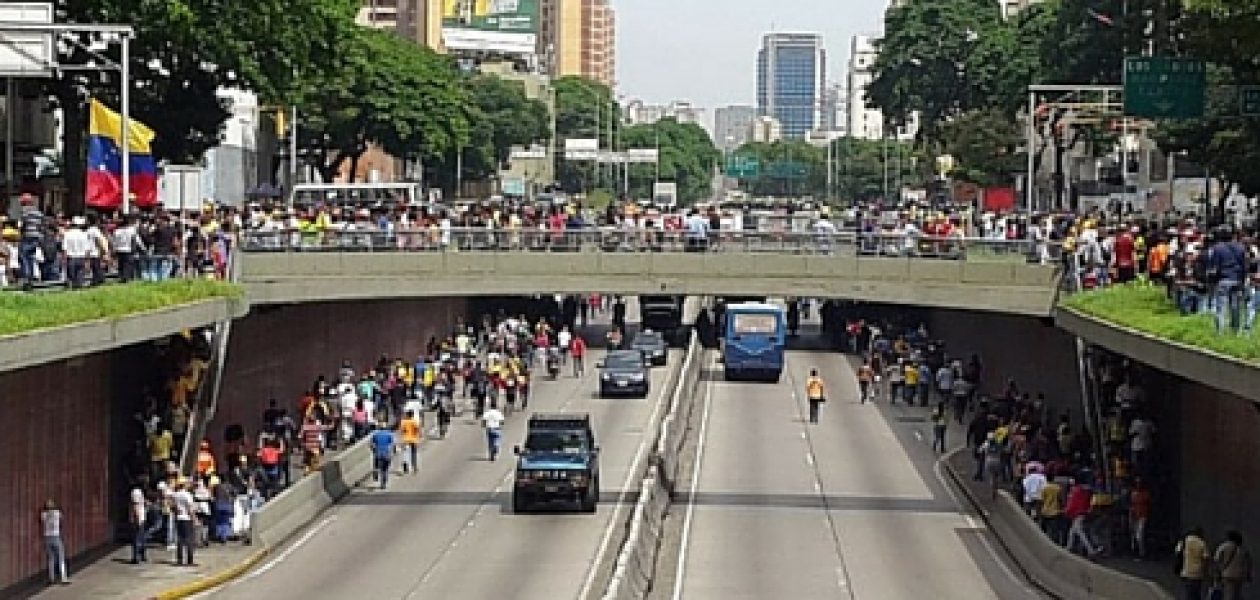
column 290, row 267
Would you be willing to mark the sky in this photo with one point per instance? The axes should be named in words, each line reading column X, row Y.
column 705, row 51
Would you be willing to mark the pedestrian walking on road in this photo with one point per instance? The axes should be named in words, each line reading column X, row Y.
column 816, row 394
column 577, row 349
column 50, row 518
column 382, row 453
column 866, row 382
column 940, row 422
column 409, row 431
column 493, row 420
column 1192, row 563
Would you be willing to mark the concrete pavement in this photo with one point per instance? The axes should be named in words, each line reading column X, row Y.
column 449, row 531
column 852, row 507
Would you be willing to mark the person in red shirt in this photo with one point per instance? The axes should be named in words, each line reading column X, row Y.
column 577, row 350
column 312, row 442
column 1077, row 509
column 1124, row 256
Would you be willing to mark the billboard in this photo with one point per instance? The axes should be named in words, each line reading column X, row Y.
column 496, row 26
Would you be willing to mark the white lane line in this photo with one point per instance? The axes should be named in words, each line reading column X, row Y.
column 802, row 435
column 971, row 522
column 809, row 458
column 639, row 456
column 271, row 564
column 680, row 571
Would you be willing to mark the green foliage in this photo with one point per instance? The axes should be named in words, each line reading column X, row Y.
column 502, row 116
column 24, row 311
column 935, row 56
column 581, row 105
column 384, row 90
column 1147, row 309
column 985, row 144
column 185, row 51
column 687, row 157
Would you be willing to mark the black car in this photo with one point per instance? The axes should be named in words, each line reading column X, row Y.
column 559, row 463
column 652, row 345
column 624, row 373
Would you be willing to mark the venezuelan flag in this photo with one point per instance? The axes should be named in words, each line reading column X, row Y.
column 104, row 160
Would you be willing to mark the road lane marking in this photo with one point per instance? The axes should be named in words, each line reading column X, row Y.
column 832, row 526
column 971, row 522
column 271, row 564
column 680, row 570
column 809, row 458
column 640, row 455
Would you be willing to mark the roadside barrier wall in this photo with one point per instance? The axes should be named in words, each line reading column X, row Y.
column 298, row 505
column 1062, row 574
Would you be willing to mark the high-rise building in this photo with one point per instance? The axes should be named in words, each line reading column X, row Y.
column 417, row 20
column 732, row 125
column 835, row 110
column 791, row 77
column 864, row 122
column 578, row 37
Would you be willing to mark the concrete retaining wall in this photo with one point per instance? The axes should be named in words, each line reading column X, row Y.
column 1055, row 570
column 297, row 506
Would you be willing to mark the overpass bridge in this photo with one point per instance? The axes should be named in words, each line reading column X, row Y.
column 280, row 267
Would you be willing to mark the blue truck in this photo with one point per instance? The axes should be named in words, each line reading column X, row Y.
column 754, row 341
column 559, row 463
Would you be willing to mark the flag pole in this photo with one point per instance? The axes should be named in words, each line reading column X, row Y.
column 126, row 118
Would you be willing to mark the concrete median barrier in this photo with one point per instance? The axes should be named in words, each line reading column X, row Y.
column 1055, row 570
column 297, row 506
column 635, row 566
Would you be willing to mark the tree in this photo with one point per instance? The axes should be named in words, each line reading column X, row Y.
column 859, row 168
column 933, row 57
column 581, row 105
column 181, row 56
column 386, row 91
column 502, row 116
column 687, row 157
column 985, row 144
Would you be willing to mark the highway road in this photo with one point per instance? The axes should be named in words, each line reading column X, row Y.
column 449, row 532
column 849, row 508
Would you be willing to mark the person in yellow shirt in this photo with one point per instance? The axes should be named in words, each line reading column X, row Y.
column 409, row 432
column 816, row 393
column 911, row 383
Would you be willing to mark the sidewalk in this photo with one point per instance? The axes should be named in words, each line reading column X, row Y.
column 1158, row 570
column 113, row 578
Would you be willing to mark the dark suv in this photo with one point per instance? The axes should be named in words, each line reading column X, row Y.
column 624, row 373
column 559, row 463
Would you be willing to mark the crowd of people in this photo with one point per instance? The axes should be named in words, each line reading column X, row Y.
column 39, row 249
column 1095, row 488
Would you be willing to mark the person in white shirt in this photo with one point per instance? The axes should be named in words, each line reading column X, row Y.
column 1143, row 433
column 50, row 518
column 1034, row 483
column 139, row 518
column 127, row 248
column 78, row 248
column 184, row 508
column 99, row 253
column 493, row 420
column 563, row 339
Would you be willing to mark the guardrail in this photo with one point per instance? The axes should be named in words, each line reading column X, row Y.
column 630, row 241
column 636, row 562
column 309, row 496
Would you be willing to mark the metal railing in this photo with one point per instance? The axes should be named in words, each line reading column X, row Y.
column 609, row 240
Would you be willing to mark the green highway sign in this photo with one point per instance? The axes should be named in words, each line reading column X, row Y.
column 743, row 167
column 1164, row 88
column 1249, row 97
column 788, row 169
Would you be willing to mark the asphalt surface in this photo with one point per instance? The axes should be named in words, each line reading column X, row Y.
column 449, row 532
column 851, row 507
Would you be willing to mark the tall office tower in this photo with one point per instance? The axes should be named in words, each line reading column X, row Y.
column 578, row 37
column 732, row 126
column 864, row 122
column 417, row 20
column 791, row 78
